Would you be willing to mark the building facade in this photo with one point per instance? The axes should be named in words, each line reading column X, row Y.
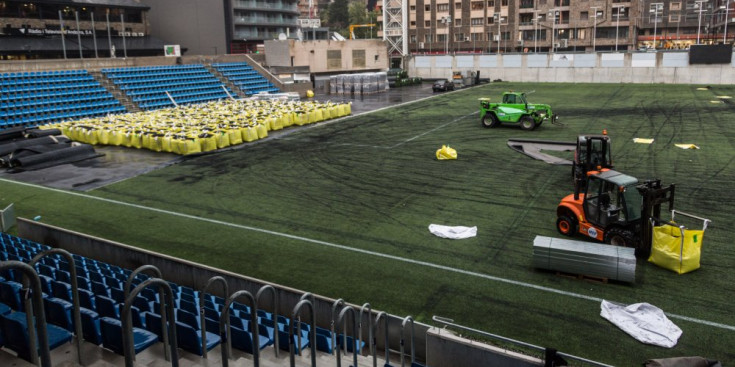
column 446, row 26
column 250, row 22
column 75, row 29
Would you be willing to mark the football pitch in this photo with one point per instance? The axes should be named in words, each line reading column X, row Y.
column 342, row 209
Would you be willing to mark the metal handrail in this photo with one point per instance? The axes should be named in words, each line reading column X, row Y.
column 203, row 322
column 312, row 342
column 413, row 349
column 76, row 312
column 127, row 321
column 340, row 321
column 370, row 322
column 275, row 309
column 337, row 303
column 35, row 281
column 162, row 311
column 450, row 322
column 224, row 326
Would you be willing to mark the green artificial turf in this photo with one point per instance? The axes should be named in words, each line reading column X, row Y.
column 372, row 183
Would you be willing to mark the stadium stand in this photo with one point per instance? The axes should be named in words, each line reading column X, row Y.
column 35, row 98
column 105, row 325
column 147, row 86
column 245, row 77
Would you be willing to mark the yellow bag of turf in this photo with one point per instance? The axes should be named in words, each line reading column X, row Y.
column 248, row 134
column 146, row 141
column 207, row 143
column 262, row 131
column 136, row 140
column 287, row 119
column 167, row 144
column 445, row 153
column 677, row 249
column 235, row 136
column 318, row 115
column 116, row 137
column 156, row 143
column 277, row 124
column 348, row 109
column 104, row 136
column 221, row 139
column 300, row 119
column 126, row 139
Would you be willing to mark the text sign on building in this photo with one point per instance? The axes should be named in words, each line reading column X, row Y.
column 172, row 50
column 310, row 23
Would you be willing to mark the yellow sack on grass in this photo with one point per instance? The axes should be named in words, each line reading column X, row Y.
column 104, row 136
column 249, row 133
column 446, row 153
column 668, row 252
column 166, row 144
column 207, row 143
column 221, row 139
column 116, row 137
column 235, row 136
column 262, row 131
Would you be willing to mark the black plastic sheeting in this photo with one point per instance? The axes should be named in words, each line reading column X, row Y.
column 23, row 149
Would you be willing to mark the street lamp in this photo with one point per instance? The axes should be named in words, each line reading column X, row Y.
column 699, row 4
column 536, row 17
column 594, row 32
column 499, row 19
column 621, row 9
column 554, row 13
column 448, row 21
column 727, row 19
column 656, row 8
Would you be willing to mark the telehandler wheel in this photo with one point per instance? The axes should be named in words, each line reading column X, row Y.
column 490, row 120
column 527, row 123
column 566, row 225
column 620, row 237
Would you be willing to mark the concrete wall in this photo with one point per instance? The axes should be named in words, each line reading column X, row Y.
column 659, row 67
column 314, row 55
column 197, row 25
column 445, row 349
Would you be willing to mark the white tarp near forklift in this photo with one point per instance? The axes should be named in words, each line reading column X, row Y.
column 645, row 322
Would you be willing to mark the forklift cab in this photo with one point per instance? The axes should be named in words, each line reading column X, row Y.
column 518, row 99
column 612, row 198
column 592, row 154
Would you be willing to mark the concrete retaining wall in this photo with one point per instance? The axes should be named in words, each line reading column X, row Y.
column 445, row 349
column 659, row 67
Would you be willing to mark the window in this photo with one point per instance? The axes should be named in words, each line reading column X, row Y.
column 675, row 6
column 441, row 37
column 413, row 23
column 491, row 20
column 476, row 21
column 442, row 7
column 413, row 7
column 491, row 3
column 358, row 57
column 674, row 18
column 413, row 38
column 561, row 2
column 476, row 5
column 581, row 34
column 503, row 2
column 584, row 15
column 505, row 35
column 459, row 37
column 458, row 6
column 427, row 23
column 490, row 36
column 334, row 59
column 526, row 4
column 427, row 7
column 458, row 22
column 427, row 38
column 476, row 37
column 541, row 2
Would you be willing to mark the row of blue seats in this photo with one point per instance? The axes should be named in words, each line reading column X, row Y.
column 146, row 75
column 174, row 88
column 36, row 88
column 61, row 108
column 32, row 74
column 186, row 92
column 151, row 68
column 55, row 100
column 169, row 83
column 77, row 91
column 188, row 100
column 251, row 92
column 230, row 65
column 58, row 117
column 49, row 80
column 95, row 319
column 236, row 74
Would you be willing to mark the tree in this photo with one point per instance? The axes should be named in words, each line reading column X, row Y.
column 338, row 16
column 359, row 15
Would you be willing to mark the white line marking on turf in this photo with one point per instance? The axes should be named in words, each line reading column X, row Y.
column 366, row 252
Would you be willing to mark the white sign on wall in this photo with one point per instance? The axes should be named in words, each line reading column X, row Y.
column 172, row 50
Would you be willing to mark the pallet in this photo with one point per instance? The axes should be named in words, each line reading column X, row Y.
column 587, row 278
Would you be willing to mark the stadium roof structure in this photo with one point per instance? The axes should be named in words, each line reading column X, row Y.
column 108, row 3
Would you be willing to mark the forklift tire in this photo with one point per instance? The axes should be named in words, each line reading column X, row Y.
column 490, row 120
column 566, row 225
column 527, row 123
column 619, row 237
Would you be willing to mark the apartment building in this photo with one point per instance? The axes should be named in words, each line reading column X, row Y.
column 475, row 26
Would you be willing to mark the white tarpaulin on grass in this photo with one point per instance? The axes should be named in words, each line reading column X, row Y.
column 643, row 321
column 455, row 233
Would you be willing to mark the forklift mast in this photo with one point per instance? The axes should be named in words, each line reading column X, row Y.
column 654, row 194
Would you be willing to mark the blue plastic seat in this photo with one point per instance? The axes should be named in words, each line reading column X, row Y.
column 86, row 299
column 107, row 307
column 190, row 339
column 112, row 336
column 324, row 340
column 243, row 340
column 10, row 294
column 58, row 312
column 15, row 324
column 61, row 290
column 91, row 326
column 187, row 318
